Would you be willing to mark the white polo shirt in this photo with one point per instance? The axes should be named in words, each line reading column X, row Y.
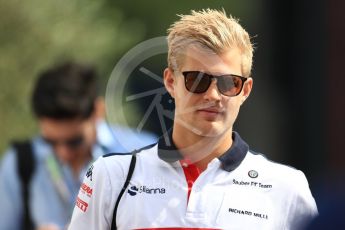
column 239, row 190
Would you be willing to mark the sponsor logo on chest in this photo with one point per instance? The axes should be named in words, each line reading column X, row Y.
column 134, row 190
column 251, row 184
column 248, row 213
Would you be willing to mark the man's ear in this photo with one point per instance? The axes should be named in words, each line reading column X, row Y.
column 247, row 88
column 169, row 81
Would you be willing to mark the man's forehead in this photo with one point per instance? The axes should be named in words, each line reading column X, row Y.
column 202, row 59
column 51, row 124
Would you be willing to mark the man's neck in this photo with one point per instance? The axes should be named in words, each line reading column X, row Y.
column 201, row 150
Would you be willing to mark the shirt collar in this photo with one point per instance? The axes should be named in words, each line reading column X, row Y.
column 230, row 160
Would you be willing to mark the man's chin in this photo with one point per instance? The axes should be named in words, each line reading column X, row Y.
column 210, row 131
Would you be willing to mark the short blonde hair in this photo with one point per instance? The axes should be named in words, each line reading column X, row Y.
column 211, row 29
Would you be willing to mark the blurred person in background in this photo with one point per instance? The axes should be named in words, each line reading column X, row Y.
column 40, row 179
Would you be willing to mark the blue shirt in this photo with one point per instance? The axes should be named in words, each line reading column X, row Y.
column 53, row 186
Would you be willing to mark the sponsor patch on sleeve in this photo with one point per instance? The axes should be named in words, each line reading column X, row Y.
column 82, row 205
column 86, row 189
column 89, row 173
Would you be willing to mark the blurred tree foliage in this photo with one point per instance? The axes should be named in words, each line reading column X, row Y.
column 39, row 33
column 158, row 14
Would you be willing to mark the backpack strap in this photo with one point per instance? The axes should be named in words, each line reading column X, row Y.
column 129, row 176
column 26, row 167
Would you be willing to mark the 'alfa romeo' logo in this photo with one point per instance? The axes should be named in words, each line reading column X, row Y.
column 253, row 174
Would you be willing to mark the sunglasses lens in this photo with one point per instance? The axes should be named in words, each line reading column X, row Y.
column 49, row 141
column 229, row 85
column 72, row 143
column 197, row 82
column 75, row 142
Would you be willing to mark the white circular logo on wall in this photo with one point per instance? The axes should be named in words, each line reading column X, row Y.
column 115, row 96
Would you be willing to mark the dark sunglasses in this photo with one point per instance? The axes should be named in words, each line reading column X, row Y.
column 198, row 82
column 72, row 143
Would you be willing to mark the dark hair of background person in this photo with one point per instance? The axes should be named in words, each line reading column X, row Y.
column 66, row 91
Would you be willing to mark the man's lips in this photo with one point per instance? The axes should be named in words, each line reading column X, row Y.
column 213, row 112
column 210, row 110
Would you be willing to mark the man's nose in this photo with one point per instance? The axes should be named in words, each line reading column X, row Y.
column 62, row 151
column 212, row 92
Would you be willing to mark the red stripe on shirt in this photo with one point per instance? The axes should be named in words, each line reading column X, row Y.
column 191, row 172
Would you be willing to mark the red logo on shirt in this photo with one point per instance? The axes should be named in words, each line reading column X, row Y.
column 81, row 204
column 86, row 189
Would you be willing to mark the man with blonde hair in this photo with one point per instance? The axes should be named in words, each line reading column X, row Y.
column 201, row 174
